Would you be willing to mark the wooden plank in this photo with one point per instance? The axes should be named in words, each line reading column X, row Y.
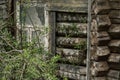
column 103, row 21
column 78, row 43
column 69, row 52
column 71, row 29
column 114, row 14
column 100, row 53
column 81, row 70
column 114, row 31
column 99, row 68
column 101, row 7
column 71, row 17
column 115, row 21
column 114, row 58
column 115, row 46
column 114, row 74
column 99, row 78
column 115, row 4
column 100, row 38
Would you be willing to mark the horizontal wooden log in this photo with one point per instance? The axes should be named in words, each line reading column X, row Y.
column 100, row 38
column 114, row 74
column 70, row 52
column 115, row 4
column 99, row 78
column 115, row 46
column 71, row 29
column 115, row 21
column 69, row 75
column 114, row 31
column 79, row 43
column 114, row 14
column 111, row 78
column 70, row 17
column 114, row 66
column 99, row 68
column 101, row 7
column 103, row 21
column 81, row 70
column 100, row 53
column 115, row 58
column 73, row 60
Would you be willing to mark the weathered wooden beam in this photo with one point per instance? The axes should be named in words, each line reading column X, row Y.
column 70, row 52
column 114, row 31
column 99, row 68
column 100, row 38
column 111, row 78
column 115, row 4
column 114, row 66
column 114, row 14
column 79, row 43
column 100, row 53
column 103, row 21
column 99, row 78
column 115, row 46
column 71, row 29
column 73, row 60
column 101, row 6
column 81, row 70
column 115, row 20
column 115, row 58
column 114, row 74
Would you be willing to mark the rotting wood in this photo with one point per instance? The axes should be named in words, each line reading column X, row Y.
column 104, row 21
column 81, row 70
column 114, row 31
column 101, row 7
column 99, row 38
column 99, row 68
column 115, row 4
column 115, row 46
column 114, row 66
column 115, row 58
column 100, row 53
column 71, row 42
column 114, row 74
column 71, row 29
column 115, row 14
column 70, row 52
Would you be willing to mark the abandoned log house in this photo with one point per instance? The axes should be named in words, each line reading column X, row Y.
column 65, row 23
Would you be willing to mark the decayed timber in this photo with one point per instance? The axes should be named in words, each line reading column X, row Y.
column 71, row 42
column 71, row 29
column 101, row 7
column 111, row 78
column 115, row 14
column 115, row 4
column 73, row 60
column 99, row 78
column 100, row 53
column 81, row 70
column 103, row 21
column 71, row 75
column 71, row 71
column 99, row 68
column 100, row 38
column 69, row 52
column 114, row 66
column 115, row 58
column 115, row 20
column 115, row 31
column 114, row 74
column 115, row 46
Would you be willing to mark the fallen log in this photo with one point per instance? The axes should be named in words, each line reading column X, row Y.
column 71, row 29
column 114, row 74
column 100, row 38
column 101, row 7
column 115, row 46
column 99, row 68
column 100, row 53
column 114, row 58
column 79, row 43
column 114, row 31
